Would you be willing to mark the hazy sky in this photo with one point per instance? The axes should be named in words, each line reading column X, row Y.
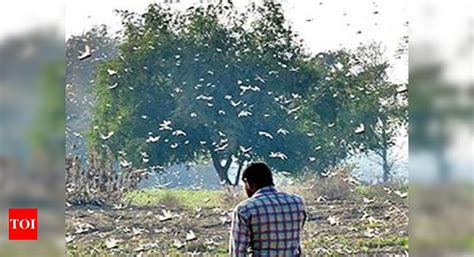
column 444, row 25
column 18, row 16
column 322, row 24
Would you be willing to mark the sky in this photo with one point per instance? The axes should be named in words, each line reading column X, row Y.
column 19, row 16
column 323, row 25
column 327, row 30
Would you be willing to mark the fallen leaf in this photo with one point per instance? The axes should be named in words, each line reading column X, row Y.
column 388, row 190
column 333, row 220
column 193, row 253
column 210, row 242
column 86, row 54
column 83, row 228
column 369, row 232
column 367, row 200
column 321, row 199
column 321, row 250
column 69, row 238
column 177, row 243
column 138, row 231
column 120, row 206
column 190, row 236
column 111, row 243
column 167, row 215
column 145, row 247
column 224, row 220
column 401, row 194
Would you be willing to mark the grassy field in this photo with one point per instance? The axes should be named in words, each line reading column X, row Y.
column 168, row 222
column 177, row 197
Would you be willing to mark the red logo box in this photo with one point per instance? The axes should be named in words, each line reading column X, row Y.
column 23, row 224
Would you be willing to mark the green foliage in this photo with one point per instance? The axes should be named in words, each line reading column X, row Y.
column 224, row 82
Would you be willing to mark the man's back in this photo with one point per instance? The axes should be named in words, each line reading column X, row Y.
column 269, row 223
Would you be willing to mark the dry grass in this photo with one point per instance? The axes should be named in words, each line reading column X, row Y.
column 231, row 196
column 338, row 185
column 97, row 181
column 176, row 198
column 376, row 228
column 345, row 217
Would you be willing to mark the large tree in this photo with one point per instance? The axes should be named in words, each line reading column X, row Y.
column 208, row 84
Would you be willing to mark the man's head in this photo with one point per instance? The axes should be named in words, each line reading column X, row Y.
column 256, row 176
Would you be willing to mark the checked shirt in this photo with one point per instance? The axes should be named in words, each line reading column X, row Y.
column 270, row 223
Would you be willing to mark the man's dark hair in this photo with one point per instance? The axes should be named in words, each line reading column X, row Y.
column 258, row 173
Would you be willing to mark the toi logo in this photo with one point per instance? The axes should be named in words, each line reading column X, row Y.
column 23, row 224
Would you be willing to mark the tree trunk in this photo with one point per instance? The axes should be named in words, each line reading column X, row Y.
column 237, row 177
column 386, row 172
column 222, row 171
column 384, row 154
column 386, row 166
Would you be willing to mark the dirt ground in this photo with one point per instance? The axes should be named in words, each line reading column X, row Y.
column 364, row 227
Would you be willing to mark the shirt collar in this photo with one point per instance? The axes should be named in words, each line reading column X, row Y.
column 264, row 190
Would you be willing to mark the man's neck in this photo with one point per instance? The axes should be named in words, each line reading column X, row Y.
column 265, row 188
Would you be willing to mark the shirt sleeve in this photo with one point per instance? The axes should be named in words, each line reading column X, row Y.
column 239, row 234
column 304, row 218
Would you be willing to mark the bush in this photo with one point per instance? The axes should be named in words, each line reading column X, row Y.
column 231, row 197
column 98, row 182
column 337, row 185
column 385, row 191
column 170, row 200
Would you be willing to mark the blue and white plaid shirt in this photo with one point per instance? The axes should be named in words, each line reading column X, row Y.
column 270, row 223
